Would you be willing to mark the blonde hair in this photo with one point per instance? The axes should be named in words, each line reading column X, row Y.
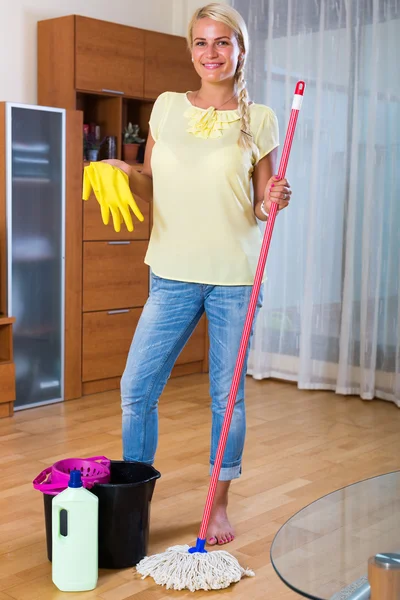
column 230, row 17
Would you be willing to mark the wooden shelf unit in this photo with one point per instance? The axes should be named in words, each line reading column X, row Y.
column 112, row 73
column 7, row 367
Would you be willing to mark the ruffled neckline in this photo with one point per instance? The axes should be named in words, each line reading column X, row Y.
column 208, row 122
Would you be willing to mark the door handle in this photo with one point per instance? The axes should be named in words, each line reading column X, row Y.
column 112, row 91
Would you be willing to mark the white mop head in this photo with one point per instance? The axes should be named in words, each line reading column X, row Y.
column 177, row 569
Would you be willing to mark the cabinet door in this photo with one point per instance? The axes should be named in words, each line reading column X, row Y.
column 94, row 228
column 108, row 57
column 35, row 237
column 114, row 275
column 7, row 383
column 168, row 66
column 107, row 338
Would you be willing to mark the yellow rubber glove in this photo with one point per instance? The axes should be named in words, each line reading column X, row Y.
column 111, row 188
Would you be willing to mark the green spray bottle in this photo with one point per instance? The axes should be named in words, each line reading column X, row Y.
column 75, row 514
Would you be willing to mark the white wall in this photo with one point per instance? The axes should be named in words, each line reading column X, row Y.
column 18, row 20
column 183, row 11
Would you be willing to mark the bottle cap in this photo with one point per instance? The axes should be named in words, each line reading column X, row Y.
column 75, row 480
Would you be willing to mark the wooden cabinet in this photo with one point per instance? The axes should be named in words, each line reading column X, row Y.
column 107, row 337
column 38, row 325
column 56, row 62
column 112, row 74
column 105, row 111
column 7, row 367
column 108, row 57
column 78, row 54
column 114, row 275
column 167, row 65
column 94, row 228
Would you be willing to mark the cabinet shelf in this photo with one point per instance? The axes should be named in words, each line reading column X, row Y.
column 34, row 333
column 31, row 180
column 6, row 320
column 113, row 113
column 35, row 259
column 138, row 166
column 33, row 249
column 110, row 94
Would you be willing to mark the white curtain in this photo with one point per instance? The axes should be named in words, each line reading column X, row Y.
column 331, row 317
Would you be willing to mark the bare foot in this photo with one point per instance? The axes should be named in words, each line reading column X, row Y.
column 220, row 531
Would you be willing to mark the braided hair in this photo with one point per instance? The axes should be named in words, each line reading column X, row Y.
column 230, row 17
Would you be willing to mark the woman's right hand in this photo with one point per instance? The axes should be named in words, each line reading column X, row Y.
column 120, row 164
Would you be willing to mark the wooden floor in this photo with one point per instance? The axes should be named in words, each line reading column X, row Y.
column 300, row 445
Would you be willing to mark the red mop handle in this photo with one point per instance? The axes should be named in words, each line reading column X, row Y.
column 297, row 101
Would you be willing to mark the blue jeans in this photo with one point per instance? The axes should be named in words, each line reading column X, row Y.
column 169, row 317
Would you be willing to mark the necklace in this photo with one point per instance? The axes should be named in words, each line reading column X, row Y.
column 219, row 107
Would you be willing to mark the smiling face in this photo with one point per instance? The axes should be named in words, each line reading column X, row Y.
column 215, row 50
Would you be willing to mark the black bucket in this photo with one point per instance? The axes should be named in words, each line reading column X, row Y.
column 124, row 514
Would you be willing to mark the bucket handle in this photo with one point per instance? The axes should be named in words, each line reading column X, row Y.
column 103, row 460
column 39, row 482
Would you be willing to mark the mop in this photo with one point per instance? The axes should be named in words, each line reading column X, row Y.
column 182, row 567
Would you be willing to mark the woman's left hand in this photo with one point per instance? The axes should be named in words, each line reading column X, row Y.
column 277, row 190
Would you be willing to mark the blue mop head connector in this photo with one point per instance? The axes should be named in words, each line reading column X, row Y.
column 199, row 547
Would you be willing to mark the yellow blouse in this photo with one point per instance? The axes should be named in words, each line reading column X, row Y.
column 204, row 227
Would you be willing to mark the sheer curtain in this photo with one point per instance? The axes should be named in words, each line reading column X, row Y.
column 331, row 317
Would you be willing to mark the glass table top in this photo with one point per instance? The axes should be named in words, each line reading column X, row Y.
column 322, row 551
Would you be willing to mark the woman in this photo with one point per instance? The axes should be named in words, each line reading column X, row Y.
column 203, row 150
